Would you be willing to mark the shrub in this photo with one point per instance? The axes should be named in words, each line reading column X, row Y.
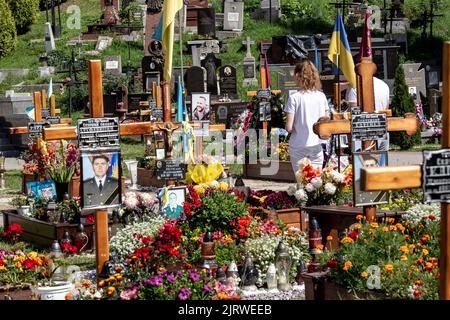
column 25, row 13
column 403, row 103
column 8, row 34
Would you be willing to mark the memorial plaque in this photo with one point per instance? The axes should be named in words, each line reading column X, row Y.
column 135, row 99
column 225, row 113
column 415, row 80
column 228, row 80
column 233, row 16
column 98, row 132
column 249, row 69
column 264, row 94
column 436, row 176
column 45, row 113
column 170, row 170
column 369, row 126
column 35, row 128
column 53, row 120
column 157, row 112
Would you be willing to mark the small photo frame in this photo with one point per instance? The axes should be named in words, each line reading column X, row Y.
column 200, row 106
column 172, row 202
column 101, row 175
column 41, row 189
column 160, row 154
column 365, row 160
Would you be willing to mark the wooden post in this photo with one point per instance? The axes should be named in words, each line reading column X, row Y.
column 158, row 96
column 37, row 106
column 167, row 103
column 52, row 105
column 44, row 99
column 366, row 69
column 96, row 111
column 444, row 286
column 154, row 90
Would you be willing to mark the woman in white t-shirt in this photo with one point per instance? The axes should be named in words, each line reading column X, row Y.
column 303, row 109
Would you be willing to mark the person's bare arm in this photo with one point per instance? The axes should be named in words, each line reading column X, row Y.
column 289, row 121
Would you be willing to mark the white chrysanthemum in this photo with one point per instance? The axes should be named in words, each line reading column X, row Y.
column 330, row 188
column 291, row 190
column 416, row 213
column 316, row 182
column 309, row 187
column 301, row 195
column 337, row 177
column 147, row 199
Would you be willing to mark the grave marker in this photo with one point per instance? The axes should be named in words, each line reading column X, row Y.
column 415, row 79
column 249, row 66
column 113, row 65
column 233, row 16
column 228, row 81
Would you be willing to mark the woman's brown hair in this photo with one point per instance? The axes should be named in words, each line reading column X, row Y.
column 308, row 76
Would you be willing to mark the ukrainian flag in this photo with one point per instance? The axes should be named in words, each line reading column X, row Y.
column 339, row 47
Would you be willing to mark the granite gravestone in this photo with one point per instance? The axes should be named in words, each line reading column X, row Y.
column 206, row 22
column 192, row 11
column 286, row 80
column 211, row 63
column 233, row 16
column 249, row 65
column 415, row 80
column 266, row 12
column 113, row 65
column 196, row 80
column 228, row 85
column 227, row 112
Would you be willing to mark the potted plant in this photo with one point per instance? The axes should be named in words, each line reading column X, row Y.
column 55, row 286
column 22, row 205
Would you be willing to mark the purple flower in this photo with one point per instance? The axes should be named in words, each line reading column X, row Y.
column 184, row 293
column 171, row 279
column 154, row 281
column 207, row 288
column 194, row 276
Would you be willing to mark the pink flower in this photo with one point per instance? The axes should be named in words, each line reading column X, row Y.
column 129, row 294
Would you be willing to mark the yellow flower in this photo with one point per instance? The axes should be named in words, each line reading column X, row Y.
column 425, row 252
column 347, row 265
column 347, row 240
column 222, row 186
column 111, row 291
column 403, row 258
column 400, row 227
column 3, row 268
column 32, row 254
column 199, row 189
column 374, row 225
column 319, row 246
column 404, row 249
column 411, row 246
column 17, row 265
column 101, row 284
column 389, row 267
column 359, row 217
column 364, row 274
column 357, row 226
column 371, row 231
column 392, row 228
column 385, row 229
column 329, row 238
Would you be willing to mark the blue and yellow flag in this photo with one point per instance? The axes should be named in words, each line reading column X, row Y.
column 339, row 51
column 170, row 8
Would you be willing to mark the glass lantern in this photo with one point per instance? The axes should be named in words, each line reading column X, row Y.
column 283, row 265
column 271, row 278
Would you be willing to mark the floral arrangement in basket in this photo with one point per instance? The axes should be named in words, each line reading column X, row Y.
column 434, row 122
column 318, row 186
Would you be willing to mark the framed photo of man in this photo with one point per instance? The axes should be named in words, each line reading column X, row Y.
column 101, row 179
column 200, row 106
column 172, row 202
column 365, row 160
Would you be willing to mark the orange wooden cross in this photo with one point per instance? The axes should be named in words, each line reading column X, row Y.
column 400, row 177
column 325, row 128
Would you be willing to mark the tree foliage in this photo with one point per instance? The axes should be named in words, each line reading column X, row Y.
column 8, row 35
column 25, row 13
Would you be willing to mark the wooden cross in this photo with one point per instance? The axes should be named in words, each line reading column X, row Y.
column 325, row 128
column 400, row 177
column 125, row 129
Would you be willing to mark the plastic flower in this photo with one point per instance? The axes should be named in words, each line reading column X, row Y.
column 309, row 187
column 317, row 182
column 301, row 195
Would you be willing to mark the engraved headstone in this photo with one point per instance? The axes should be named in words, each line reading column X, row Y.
column 233, row 16
column 206, row 22
column 196, row 80
column 415, row 80
column 436, row 175
column 211, row 63
column 249, row 65
column 228, row 85
column 49, row 39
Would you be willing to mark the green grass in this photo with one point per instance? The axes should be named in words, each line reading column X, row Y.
column 84, row 262
column 23, row 246
column 417, row 148
column 13, row 181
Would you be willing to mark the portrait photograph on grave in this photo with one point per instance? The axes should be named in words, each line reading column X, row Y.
column 172, row 202
column 367, row 160
column 200, row 106
column 41, row 189
column 101, row 177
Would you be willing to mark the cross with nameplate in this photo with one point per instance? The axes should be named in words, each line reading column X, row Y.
column 326, row 128
column 125, row 129
column 433, row 177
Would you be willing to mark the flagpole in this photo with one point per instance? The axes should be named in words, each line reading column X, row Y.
column 338, row 94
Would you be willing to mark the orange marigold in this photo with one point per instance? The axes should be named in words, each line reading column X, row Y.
column 347, row 265
column 389, row 267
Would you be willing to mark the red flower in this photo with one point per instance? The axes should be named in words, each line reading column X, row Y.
column 187, row 208
column 29, row 264
column 90, row 219
column 332, row 263
column 68, row 248
column 17, row 228
column 354, row 234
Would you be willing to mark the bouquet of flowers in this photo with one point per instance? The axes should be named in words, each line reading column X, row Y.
column 320, row 187
column 60, row 160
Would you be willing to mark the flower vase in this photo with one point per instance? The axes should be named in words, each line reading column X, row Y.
column 132, row 168
column 61, row 189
